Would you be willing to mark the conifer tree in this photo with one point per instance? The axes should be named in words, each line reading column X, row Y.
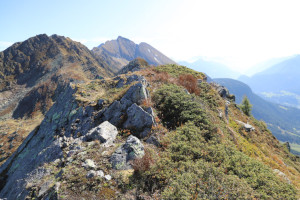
column 246, row 106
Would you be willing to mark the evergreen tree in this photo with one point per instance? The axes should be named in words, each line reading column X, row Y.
column 246, row 106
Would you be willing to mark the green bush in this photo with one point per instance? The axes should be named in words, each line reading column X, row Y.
column 176, row 107
column 196, row 164
column 177, row 70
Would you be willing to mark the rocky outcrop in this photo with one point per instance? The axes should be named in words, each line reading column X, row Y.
column 106, row 133
column 138, row 120
column 61, row 136
column 134, row 65
column 136, row 94
column 223, row 91
column 127, row 113
column 246, row 126
column 130, row 150
column 44, row 145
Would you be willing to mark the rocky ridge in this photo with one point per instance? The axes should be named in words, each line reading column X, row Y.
column 33, row 74
column 58, row 139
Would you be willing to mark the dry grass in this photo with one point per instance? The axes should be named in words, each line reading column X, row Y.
column 22, row 127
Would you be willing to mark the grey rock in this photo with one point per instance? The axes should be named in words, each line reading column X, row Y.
column 223, row 91
column 246, row 126
column 137, row 93
column 100, row 103
column 138, row 120
column 130, row 150
column 91, row 174
column 106, row 133
column 150, row 111
column 288, row 146
column 44, row 188
column 114, row 113
column 89, row 164
column 107, row 177
column 153, row 140
column 100, row 173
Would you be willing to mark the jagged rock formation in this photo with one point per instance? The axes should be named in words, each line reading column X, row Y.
column 61, row 129
column 223, row 91
column 33, row 74
column 118, row 53
column 130, row 150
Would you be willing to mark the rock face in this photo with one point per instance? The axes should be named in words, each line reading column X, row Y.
column 43, row 145
column 118, row 53
column 223, row 91
column 106, row 133
column 136, row 94
column 132, row 149
column 138, row 121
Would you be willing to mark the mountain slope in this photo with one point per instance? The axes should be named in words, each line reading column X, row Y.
column 148, row 134
column 279, row 83
column 213, row 69
column 284, row 122
column 117, row 53
column 33, row 73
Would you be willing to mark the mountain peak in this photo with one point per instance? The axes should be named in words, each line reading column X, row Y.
column 118, row 53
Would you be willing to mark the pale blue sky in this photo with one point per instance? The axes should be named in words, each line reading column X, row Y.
column 238, row 33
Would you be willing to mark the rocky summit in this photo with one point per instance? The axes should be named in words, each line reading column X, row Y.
column 150, row 132
column 118, row 53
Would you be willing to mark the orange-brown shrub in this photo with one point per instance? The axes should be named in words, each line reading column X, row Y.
column 189, row 82
column 143, row 164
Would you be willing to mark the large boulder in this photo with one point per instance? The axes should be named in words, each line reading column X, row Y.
column 130, row 150
column 138, row 121
column 106, row 133
column 246, row 126
column 137, row 93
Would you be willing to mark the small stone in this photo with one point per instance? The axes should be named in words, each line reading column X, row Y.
column 107, row 177
column 100, row 173
column 91, row 174
column 89, row 164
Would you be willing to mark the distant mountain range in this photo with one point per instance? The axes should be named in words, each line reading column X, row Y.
column 261, row 66
column 118, row 53
column 211, row 68
column 279, row 83
column 284, row 122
